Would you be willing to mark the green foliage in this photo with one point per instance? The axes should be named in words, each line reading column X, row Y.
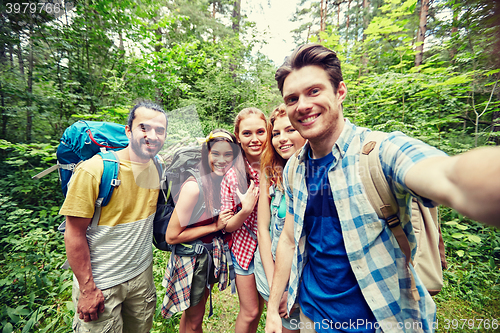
column 472, row 278
column 34, row 290
column 18, row 163
column 185, row 55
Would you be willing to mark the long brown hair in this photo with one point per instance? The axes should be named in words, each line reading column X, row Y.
column 211, row 186
column 271, row 163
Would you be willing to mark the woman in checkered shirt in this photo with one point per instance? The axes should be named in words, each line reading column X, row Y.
column 250, row 131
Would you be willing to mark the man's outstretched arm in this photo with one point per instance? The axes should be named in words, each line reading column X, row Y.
column 469, row 183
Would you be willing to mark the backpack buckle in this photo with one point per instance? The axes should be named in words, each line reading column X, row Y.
column 98, row 202
column 393, row 221
column 115, row 182
column 198, row 248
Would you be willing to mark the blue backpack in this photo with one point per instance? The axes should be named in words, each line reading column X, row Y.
column 84, row 139
column 80, row 142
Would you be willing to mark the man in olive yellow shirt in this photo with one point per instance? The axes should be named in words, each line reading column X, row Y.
column 113, row 285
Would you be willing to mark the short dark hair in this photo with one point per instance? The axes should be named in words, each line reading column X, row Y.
column 311, row 54
column 144, row 104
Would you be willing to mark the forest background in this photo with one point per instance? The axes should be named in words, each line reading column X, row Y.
column 429, row 69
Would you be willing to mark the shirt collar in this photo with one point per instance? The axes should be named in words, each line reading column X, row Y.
column 345, row 138
column 254, row 174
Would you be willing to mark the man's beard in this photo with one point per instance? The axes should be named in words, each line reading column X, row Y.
column 136, row 147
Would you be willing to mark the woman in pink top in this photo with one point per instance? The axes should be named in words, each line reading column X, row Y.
column 250, row 131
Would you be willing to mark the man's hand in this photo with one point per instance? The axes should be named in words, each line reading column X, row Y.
column 90, row 304
column 273, row 322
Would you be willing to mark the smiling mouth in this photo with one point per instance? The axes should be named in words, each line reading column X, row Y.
column 308, row 119
column 220, row 167
column 150, row 146
column 286, row 147
column 255, row 147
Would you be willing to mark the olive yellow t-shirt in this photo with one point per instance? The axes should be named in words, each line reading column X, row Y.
column 121, row 244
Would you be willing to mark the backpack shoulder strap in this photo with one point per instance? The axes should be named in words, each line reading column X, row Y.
column 373, row 178
column 109, row 180
column 199, row 208
column 160, row 166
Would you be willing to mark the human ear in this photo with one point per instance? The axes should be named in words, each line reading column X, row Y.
column 341, row 92
column 128, row 132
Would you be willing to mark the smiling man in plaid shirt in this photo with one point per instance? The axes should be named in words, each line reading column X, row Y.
column 347, row 271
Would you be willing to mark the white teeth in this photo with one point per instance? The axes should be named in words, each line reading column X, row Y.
column 285, row 147
column 308, row 119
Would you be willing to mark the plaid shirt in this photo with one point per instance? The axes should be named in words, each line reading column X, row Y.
column 244, row 245
column 179, row 276
column 373, row 252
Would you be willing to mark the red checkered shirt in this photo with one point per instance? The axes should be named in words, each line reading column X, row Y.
column 244, row 245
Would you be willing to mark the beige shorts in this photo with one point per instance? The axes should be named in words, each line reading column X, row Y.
column 128, row 307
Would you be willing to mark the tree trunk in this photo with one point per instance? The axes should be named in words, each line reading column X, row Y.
column 120, row 37
column 454, row 31
column 359, row 5
column 3, row 63
column 213, row 17
column 322, row 18
column 366, row 6
column 3, row 55
column 347, row 24
column 496, row 127
column 338, row 14
column 158, row 46
column 29, row 111
column 236, row 16
column 364, row 58
column 496, row 123
column 3, row 134
column 11, row 55
column 424, row 11
column 20, row 58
